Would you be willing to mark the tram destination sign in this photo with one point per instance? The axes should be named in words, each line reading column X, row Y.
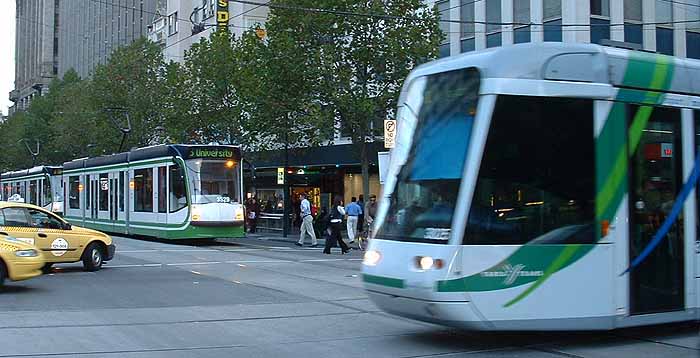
column 213, row 153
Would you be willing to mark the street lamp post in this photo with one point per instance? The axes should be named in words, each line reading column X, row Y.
column 287, row 201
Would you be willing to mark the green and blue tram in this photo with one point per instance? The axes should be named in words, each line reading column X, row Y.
column 164, row 191
column 542, row 187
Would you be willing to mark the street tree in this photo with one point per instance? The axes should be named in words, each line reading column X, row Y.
column 128, row 89
column 360, row 51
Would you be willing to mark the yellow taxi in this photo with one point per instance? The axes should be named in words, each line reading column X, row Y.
column 18, row 260
column 58, row 240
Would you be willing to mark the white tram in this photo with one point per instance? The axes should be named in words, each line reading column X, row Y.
column 39, row 186
column 165, row 191
column 527, row 179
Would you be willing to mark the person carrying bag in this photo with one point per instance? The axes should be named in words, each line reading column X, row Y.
column 335, row 224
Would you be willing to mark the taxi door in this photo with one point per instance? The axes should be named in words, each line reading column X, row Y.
column 57, row 244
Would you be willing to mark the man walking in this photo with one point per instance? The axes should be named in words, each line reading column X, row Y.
column 307, row 222
column 354, row 211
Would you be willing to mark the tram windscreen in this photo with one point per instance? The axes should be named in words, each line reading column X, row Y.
column 214, row 181
column 424, row 199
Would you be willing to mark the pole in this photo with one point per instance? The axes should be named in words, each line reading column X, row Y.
column 287, row 202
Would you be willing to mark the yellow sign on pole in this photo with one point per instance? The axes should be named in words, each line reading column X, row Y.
column 222, row 15
column 280, row 176
column 389, row 133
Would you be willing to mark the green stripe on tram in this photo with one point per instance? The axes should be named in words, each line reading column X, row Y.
column 536, row 263
column 383, row 281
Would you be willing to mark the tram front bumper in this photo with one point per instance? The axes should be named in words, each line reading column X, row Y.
column 450, row 313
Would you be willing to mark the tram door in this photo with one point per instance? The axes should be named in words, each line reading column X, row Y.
column 655, row 179
column 113, row 200
column 94, row 198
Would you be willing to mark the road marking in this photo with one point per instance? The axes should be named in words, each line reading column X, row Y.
column 240, row 263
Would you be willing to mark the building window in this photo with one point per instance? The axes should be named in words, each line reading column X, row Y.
column 522, row 35
column 493, row 40
column 664, row 11
column 633, row 33
column 521, row 15
column 600, row 7
column 468, row 45
column 212, row 10
column 600, row 29
column 664, row 41
column 551, row 9
column 552, row 31
column 633, row 10
column 664, row 31
column 467, row 16
column 444, row 50
column 172, row 24
column 692, row 41
column 552, row 20
column 443, row 8
column 143, row 190
column 493, row 16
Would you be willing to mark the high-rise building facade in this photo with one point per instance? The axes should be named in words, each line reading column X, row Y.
column 175, row 28
column 92, row 29
column 36, row 50
column 664, row 26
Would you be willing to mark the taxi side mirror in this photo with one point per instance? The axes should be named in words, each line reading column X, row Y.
column 67, row 226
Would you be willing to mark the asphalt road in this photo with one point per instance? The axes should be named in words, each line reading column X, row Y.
column 260, row 298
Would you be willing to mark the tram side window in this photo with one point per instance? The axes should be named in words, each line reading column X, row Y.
column 121, row 191
column 47, row 196
column 74, row 192
column 178, row 195
column 536, row 183
column 143, row 190
column 162, row 189
column 33, row 192
column 104, row 192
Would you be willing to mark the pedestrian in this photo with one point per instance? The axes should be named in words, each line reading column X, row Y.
column 371, row 211
column 361, row 217
column 253, row 212
column 307, row 221
column 336, row 215
column 353, row 210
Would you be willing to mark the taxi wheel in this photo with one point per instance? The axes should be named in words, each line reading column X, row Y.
column 46, row 268
column 93, row 257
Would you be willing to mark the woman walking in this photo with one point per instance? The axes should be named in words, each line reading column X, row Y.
column 336, row 222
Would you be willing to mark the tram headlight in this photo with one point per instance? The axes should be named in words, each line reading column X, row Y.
column 426, row 263
column 372, row 258
column 239, row 213
column 195, row 214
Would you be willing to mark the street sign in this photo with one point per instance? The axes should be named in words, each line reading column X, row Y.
column 280, row 176
column 389, row 133
column 222, row 15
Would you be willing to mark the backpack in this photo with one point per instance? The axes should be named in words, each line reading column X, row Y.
column 335, row 214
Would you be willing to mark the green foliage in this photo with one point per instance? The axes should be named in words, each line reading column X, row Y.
column 313, row 74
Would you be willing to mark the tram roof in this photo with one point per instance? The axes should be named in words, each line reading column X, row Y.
column 153, row 152
column 575, row 62
column 42, row 169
